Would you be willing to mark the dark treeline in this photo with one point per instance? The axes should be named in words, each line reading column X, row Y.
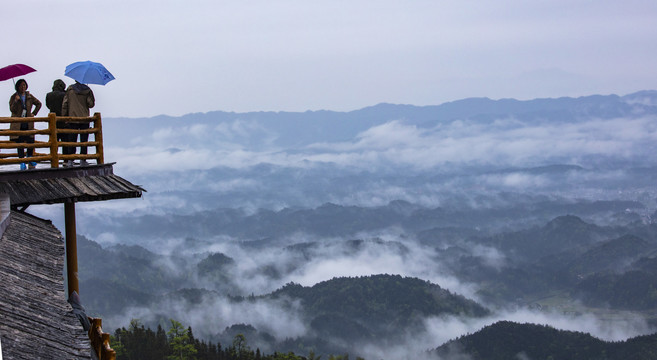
column 178, row 343
column 508, row 340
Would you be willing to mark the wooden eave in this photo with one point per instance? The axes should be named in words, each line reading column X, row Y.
column 36, row 321
column 59, row 185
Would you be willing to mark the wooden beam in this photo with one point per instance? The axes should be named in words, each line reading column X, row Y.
column 71, row 248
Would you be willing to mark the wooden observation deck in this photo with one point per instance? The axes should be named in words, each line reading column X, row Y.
column 36, row 320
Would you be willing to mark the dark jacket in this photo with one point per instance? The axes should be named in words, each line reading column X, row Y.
column 55, row 98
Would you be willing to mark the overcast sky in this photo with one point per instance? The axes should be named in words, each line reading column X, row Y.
column 178, row 57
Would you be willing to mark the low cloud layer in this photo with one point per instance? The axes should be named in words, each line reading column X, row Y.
column 308, row 260
column 393, row 144
column 251, row 164
column 213, row 314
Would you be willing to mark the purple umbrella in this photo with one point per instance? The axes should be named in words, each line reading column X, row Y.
column 12, row 71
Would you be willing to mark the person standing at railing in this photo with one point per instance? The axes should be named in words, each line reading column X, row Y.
column 54, row 102
column 23, row 104
column 78, row 100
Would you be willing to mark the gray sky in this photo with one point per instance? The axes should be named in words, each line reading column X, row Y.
column 178, row 57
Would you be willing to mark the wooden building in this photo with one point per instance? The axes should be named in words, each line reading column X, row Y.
column 40, row 318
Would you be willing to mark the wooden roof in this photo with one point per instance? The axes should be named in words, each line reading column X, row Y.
column 36, row 321
column 50, row 186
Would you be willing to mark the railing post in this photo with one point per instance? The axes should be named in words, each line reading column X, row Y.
column 108, row 353
column 98, row 137
column 54, row 142
column 100, row 341
column 95, row 336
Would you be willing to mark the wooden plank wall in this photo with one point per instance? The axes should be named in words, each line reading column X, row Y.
column 36, row 321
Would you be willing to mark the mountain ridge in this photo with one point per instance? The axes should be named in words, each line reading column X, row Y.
column 510, row 340
column 299, row 129
column 465, row 105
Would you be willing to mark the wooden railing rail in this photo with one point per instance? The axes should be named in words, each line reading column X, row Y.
column 50, row 150
column 100, row 340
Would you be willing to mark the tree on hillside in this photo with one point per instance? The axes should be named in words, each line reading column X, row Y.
column 240, row 348
column 139, row 343
column 180, row 342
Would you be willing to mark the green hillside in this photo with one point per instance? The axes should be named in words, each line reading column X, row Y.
column 377, row 305
column 508, row 340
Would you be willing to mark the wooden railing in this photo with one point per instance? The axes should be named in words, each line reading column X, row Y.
column 100, row 341
column 47, row 148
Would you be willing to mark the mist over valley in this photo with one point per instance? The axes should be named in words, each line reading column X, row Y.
column 383, row 232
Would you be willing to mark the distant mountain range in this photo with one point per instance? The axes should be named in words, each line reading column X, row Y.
column 323, row 220
column 471, row 152
column 298, row 129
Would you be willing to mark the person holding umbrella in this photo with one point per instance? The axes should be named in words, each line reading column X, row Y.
column 23, row 104
column 77, row 101
column 79, row 98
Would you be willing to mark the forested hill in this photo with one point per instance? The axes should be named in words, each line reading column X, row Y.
column 384, row 293
column 370, row 307
column 565, row 267
column 508, row 340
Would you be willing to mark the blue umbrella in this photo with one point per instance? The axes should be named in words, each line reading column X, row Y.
column 89, row 72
